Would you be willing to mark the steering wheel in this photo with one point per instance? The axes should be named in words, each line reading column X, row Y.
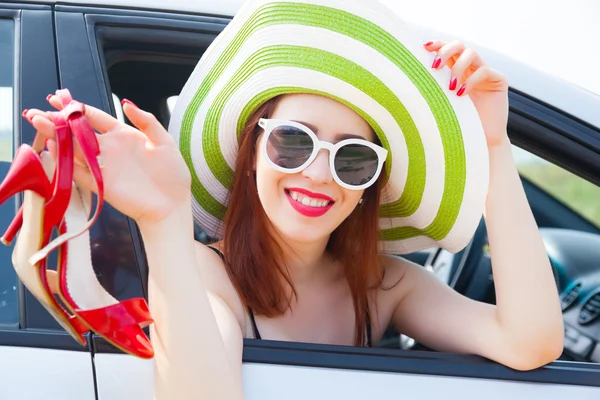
column 466, row 272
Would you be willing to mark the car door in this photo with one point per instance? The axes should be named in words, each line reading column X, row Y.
column 106, row 54
column 38, row 360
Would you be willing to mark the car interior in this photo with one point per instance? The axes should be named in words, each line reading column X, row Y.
column 151, row 75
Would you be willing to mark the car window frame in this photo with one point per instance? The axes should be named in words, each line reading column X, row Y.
column 341, row 357
column 567, row 206
column 13, row 16
column 35, row 76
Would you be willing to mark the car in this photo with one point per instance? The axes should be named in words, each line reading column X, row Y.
column 107, row 50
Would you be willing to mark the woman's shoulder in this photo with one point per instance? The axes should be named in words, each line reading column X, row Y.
column 216, row 279
column 399, row 274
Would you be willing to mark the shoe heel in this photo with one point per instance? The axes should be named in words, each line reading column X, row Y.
column 13, row 228
column 26, row 173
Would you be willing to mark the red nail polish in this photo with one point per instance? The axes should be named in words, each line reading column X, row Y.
column 461, row 91
column 453, row 83
column 436, row 63
column 125, row 101
column 48, row 97
column 24, row 115
column 428, row 44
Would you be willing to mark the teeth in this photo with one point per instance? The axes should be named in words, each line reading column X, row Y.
column 307, row 201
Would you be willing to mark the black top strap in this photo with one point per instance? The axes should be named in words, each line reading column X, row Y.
column 254, row 327
column 253, row 321
column 218, row 252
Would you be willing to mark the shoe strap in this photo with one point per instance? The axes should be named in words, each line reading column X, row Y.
column 79, row 126
column 63, row 174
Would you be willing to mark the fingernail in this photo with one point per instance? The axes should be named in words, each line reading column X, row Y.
column 436, row 63
column 24, row 115
column 428, row 44
column 125, row 101
column 453, row 83
column 461, row 91
column 48, row 97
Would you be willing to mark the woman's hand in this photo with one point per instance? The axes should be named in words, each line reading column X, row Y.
column 145, row 176
column 522, row 271
column 487, row 88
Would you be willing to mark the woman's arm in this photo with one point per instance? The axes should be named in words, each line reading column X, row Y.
column 525, row 328
column 528, row 307
column 195, row 357
column 198, row 317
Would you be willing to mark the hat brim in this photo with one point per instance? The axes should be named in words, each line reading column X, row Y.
column 366, row 58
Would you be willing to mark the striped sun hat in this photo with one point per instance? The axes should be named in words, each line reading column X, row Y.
column 361, row 54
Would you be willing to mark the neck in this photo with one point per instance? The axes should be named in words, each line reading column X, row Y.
column 307, row 262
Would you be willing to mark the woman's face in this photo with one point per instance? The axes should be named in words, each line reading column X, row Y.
column 281, row 194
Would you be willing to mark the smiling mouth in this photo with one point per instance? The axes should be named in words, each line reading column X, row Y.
column 313, row 205
column 308, row 201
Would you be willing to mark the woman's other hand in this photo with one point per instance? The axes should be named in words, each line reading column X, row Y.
column 487, row 88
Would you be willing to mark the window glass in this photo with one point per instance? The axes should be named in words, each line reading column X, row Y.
column 575, row 192
column 8, row 280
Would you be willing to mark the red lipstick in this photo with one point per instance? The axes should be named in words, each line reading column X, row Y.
column 305, row 210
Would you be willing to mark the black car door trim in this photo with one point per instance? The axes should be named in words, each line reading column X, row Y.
column 34, row 46
column 16, row 16
column 414, row 362
column 145, row 13
column 24, row 6
column 555, row 136
column 403, row 361
column 40, row 339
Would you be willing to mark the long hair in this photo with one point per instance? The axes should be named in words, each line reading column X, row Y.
column 254, row 260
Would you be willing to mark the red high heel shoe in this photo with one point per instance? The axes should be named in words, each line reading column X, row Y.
column 28, row 174
column 120, row 323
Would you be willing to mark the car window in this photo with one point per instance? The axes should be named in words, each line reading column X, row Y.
column 574, row 192
column 8, row 281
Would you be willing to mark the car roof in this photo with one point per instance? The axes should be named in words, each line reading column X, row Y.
column 556, row 66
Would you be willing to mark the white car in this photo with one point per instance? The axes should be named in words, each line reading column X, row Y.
column 144, row 51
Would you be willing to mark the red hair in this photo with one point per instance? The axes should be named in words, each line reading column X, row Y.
column 254, row 260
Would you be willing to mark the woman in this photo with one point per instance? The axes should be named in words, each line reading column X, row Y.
column 305, row 223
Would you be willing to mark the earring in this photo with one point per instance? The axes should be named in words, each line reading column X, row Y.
column 360, row 201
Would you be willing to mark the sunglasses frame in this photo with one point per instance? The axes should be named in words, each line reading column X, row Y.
column 269, row 126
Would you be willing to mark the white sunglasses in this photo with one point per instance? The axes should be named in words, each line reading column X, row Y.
column 290, row 147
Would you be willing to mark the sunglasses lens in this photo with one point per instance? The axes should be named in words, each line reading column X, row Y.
column 356, row 164
column 289, row 147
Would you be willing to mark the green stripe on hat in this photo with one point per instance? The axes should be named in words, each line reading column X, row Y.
column 333, row 65
column 370, row 34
